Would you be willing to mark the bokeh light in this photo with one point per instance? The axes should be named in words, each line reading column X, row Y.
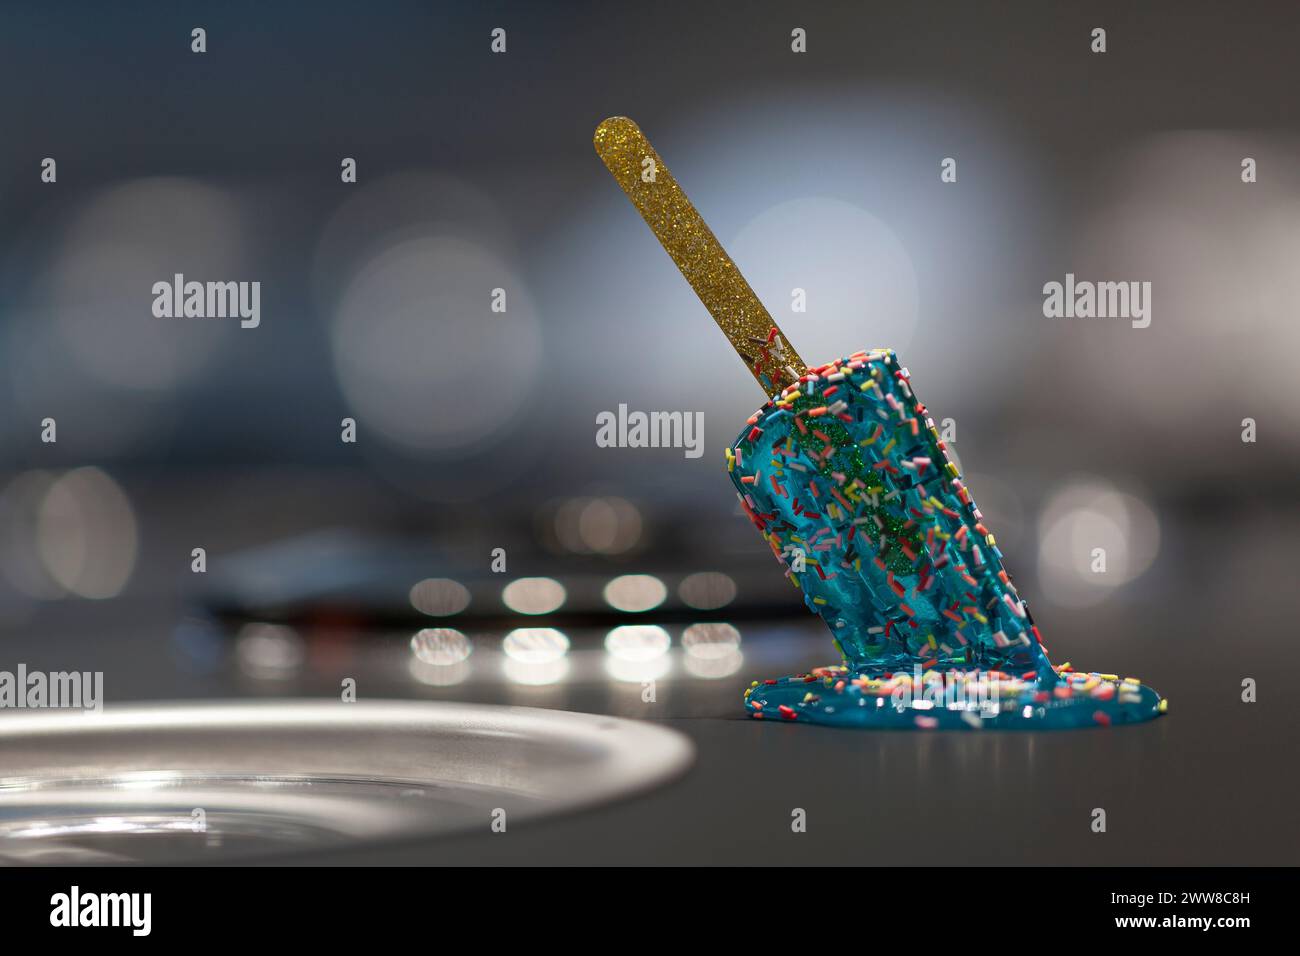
column 1093, row 538
column 86, row 534
column 707, row 590
column 710, row 640
column 601, row 525
column 635, row 592
column 441, row 646
column 535, row 645
column 637, row 642
column 439, row 597
column 269, row 651
column 533, row 595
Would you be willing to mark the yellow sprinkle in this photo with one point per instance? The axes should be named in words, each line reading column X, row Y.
column 992, row 542
column 887, row 448
column 818, row 600
column 1133, row 680
column 952, row 469
column 1164, row 705
column 1109, row 676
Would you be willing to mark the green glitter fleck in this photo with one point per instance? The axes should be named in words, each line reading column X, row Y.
column 847, row 460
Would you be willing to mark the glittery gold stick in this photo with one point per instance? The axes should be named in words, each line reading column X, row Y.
column 698, row 254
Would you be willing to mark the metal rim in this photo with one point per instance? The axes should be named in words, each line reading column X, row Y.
column 133, row 759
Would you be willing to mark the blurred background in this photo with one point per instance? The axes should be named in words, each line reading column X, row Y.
column 476, row 429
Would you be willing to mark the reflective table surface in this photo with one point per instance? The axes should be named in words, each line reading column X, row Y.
column 1213, row 782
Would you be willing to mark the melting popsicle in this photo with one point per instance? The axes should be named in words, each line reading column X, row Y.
column 847, row 479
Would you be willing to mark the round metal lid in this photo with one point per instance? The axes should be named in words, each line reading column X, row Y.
column 187, row 782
